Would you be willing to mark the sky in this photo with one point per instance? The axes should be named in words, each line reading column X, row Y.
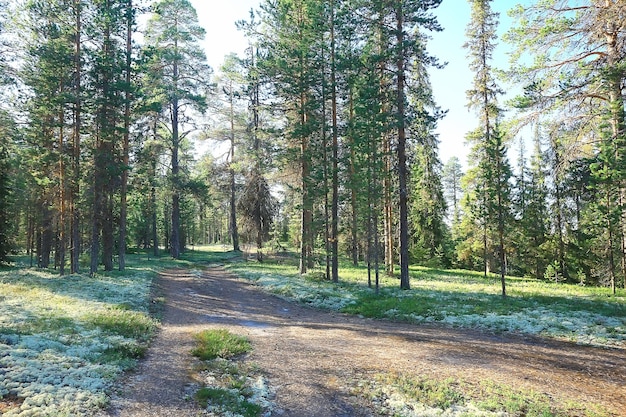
column 449, row 84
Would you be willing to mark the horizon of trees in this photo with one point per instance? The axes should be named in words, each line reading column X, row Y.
column 327, row 125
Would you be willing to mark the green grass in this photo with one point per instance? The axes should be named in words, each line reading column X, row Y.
column 219, row 343
column 130, row 324
column 228, row 400
column 230, row 387
column 393, row 394
column 587, row 315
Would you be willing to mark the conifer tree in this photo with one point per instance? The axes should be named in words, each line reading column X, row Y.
column 451, row 179
column 290, row 51
column 570, row 57
column 530, row 205
column 47, row 72
column 6, row 128
column 107, row 72
column 6, row 194
column 492, row 167
column 180, row 71
column 230, row 84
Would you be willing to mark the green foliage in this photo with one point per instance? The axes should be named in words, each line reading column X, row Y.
column 211, row 344
column 258, row 208
column 428, row 208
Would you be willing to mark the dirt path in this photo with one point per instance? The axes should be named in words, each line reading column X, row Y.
column 310, row 356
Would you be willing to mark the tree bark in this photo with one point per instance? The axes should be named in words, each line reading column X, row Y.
column 175, row 232
column 126, row 140
column 307, row 214
column 402, row 165
column 75, row 187
column 335, row 156
column 61, row 227
column 233, row 186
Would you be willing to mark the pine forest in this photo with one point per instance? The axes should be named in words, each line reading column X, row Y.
column 312, row 208
column 116, row 136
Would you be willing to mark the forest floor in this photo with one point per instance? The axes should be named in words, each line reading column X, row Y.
column 313, row 359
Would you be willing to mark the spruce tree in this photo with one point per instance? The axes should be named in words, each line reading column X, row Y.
column 492, row 167
column 451, row 180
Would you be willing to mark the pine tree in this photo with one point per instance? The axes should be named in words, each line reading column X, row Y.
column 107, row 71
column 290, row 54
column 571, row 56
column 180, row 71
column 427, row 203
column 6, row 129
column 231, row 84
column 47, row 72
column 129, row 17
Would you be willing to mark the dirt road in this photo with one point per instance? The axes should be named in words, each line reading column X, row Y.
column 310, row 356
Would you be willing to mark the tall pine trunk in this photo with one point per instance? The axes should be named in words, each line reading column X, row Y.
column 335, row 157
column 175, row 232
column 126, row 140
column 233, row 186
column 61, row 227
column 402, row 165
column 76, row 175
column 307, row 214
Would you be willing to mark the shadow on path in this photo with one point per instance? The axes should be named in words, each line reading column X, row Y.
column 313, row 357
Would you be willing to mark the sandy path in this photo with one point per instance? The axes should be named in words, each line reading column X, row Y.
column 311, row 356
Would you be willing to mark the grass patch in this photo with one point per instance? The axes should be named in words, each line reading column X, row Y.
column 430, row 392
column 229, row 387
column 220, row 343
column 401, row 395
column 122, row 322
column 227, row 400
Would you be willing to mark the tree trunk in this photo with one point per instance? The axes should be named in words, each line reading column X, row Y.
column 175, row 232
column 45, row 248
column 75, row 190
column 307, row 215
column 335, row 170
column 106, row 153
column 233, row 186
column 402, row 166
column 155, row 231
column 618, row 127
column 108, row 239
column 95, row 223
column 500, row 217
column 126, row 140
column 387, row 165
column 61, row 227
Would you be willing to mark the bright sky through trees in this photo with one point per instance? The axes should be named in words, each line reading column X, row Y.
column 449, row 84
